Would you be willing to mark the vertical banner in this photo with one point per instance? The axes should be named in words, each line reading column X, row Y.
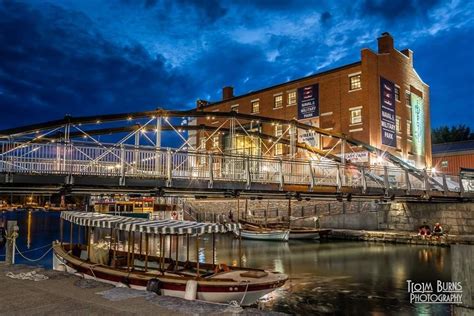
column 308, row 102
column 387, row 110
column 418, row 124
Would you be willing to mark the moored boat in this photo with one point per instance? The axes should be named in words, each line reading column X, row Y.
column 302, row 233
column 266, row 234
column 164, row 274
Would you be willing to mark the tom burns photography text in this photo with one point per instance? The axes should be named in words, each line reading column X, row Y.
column 437, row 293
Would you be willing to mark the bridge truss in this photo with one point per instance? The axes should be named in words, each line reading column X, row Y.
column 124, row 153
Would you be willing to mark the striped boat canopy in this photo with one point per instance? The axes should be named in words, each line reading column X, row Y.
column 166, row 226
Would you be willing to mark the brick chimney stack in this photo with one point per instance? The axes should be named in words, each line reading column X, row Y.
column 385, row 43
column 227, row 93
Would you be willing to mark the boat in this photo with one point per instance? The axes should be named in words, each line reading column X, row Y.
column 118, row 261
column 304, row 233
column 266, row 234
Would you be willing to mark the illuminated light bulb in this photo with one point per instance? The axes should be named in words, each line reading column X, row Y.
column 84, row 136
column 129, row 118
column 98, row 121
column 433, row 170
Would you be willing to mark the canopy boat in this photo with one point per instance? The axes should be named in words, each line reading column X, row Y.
column 114, row 263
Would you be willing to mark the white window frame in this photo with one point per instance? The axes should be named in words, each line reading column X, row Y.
column 353, row 75
column 352, row 116
column 398, row 124
column 288, row 98
column 275, row 96
column 252, row 102
column 234, row 107
column 397, row 87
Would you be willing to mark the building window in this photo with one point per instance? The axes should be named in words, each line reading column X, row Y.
column 444, row 164
column 397, row 125
column 292, row 98
column 278, row 146
column 215, row 142
column 409, row 131
column 255, row 106
column 355, row 82
column 407, row 98
column 234, row 108
column 397, row 93
column 203, row 144
column 278, row 101
column 356, row 116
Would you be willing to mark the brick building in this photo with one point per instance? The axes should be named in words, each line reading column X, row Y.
column 379, row 100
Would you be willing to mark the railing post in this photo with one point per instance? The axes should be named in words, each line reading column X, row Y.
column 122, row 165
column 282, row 180
column 426, row 181
column 386, row 184
column 169, row 168
column 338, row 178
column 311, row 175
column 461, row 186
column 211, row 171
column 364, row 180
column 445, row 185
column 249, row 176
column 407, row 181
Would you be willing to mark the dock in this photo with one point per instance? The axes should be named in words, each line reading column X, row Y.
column 402, row 237
column 66, row 294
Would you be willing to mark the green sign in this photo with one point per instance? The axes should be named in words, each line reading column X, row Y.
column 418, row 124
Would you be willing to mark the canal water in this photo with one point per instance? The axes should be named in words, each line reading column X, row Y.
column 326, row 278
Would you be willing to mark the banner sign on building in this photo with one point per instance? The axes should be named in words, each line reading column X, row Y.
column 310, row 138
column 387, row 107
column 308, row 102
column 418, row 124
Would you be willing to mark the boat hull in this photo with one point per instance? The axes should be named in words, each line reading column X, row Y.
column 304, row 235
column 281, row 235
column 246, row 293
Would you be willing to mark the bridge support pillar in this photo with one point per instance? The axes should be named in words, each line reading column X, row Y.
column 407, row 182
column 211, row 172
column 169, row 169
column 426, row 182
column 248, row 183
column 364, row 180
column 445, row 185
column 338, row 179
column 311, row 177
column 69, row 180
column 282, row 180
column 386, row 184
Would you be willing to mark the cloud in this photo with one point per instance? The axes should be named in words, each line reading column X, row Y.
column 55, row 62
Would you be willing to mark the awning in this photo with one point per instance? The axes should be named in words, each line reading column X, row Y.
column 167, row 226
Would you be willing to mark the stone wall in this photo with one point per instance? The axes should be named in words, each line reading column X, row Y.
column 456, row 218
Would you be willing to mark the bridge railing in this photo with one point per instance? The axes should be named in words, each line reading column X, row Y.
column 132, row 161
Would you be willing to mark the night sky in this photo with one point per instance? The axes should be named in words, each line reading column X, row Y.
column 90, row 57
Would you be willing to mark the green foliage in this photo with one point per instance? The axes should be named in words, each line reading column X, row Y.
column 446, row 134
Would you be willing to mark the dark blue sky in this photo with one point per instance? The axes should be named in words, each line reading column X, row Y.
column 90, row 57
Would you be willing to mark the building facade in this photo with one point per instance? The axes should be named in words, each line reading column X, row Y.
column 451, row 157
column 379, row 100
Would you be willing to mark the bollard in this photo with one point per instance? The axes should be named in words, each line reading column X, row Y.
column 12, row 234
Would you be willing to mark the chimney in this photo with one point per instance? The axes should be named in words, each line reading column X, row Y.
column 385, row 43
column 409, row 53
column 227, row 93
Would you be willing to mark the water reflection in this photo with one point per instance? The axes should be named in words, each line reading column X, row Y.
column 325, row 278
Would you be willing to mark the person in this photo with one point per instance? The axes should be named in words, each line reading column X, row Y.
column 424, row 230
column 231, row 216
column 437, row 230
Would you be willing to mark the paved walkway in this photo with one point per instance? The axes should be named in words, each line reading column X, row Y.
column 404, row 237
column 65, row 294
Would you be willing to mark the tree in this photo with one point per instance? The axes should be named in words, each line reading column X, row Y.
column 446, row 134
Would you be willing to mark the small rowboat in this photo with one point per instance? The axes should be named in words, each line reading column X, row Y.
column 270, row 234
column 165, row 275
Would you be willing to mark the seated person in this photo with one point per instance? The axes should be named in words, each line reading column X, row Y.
column 437, row 230
column 424, row 230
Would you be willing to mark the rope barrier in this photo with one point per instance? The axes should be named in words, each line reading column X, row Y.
column 32, row 260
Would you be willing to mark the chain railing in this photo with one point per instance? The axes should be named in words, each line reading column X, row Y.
column 150, row 162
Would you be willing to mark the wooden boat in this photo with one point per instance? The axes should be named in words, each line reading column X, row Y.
column 165, row 275
column 266, row 234
column 304, row 233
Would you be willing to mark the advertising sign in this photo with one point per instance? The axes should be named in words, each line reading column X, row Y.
column 387, row 109
column 308, row 102
column 418, row 124
column 310, row 138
